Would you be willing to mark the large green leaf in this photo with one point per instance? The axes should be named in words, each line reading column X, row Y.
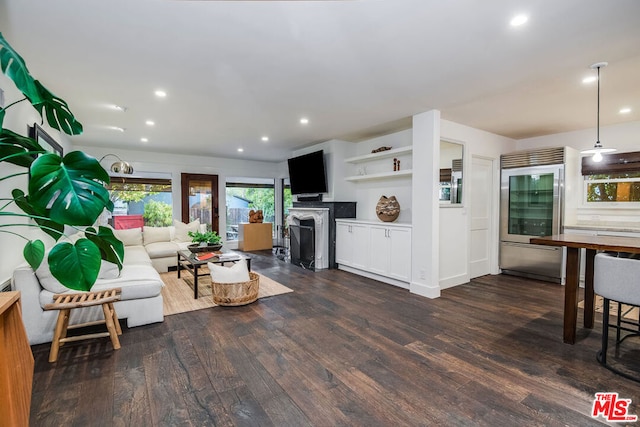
column 69, row 190
column 75, row 266
column 15, row 68
column 52, row 228
column 34, row 253
column 19, row 148
column 111, row 249
column 56, row 111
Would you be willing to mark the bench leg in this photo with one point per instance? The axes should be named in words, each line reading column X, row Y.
column 60, row 332
column 108, row 318
column 115, row 319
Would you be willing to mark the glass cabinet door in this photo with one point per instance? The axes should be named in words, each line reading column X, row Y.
column 531, row 204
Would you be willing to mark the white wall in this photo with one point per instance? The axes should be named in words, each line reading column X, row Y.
column 625, row 138
column 455, row 221
column 18, row 119
column 367, row 193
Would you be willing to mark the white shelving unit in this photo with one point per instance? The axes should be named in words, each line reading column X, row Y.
column 382, row 175
column 373, row 159
column 381, row 155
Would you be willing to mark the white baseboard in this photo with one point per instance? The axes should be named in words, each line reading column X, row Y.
column 388, row 280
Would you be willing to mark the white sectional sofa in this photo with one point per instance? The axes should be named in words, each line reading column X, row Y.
column 148, row 252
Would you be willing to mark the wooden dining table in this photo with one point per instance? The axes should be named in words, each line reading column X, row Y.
column 592, row 244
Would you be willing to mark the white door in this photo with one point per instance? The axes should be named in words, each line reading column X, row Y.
column 379, row 250
column 360, row 237
column 481, row 194
column 344, row 244
column 400, row 254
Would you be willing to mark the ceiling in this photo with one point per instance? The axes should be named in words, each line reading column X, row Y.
column 235, row 71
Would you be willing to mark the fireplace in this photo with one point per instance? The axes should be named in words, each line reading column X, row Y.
column 309, row 233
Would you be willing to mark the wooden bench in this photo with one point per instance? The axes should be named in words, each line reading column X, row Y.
column 66, row 302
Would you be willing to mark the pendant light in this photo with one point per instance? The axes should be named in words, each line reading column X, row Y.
column 597, row 149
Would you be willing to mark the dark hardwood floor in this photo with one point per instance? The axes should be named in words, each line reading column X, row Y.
column 341, row 350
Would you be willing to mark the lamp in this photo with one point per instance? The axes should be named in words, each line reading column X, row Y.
column 597, row 149
column 120, row 166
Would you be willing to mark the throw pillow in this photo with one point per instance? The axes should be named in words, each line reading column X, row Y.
column 156, row 234
column 129, row 237
column 182, row 230
column 108, row 270
column 237, row 273
column 46, row 279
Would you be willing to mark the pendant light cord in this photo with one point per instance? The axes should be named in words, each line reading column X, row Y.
column 598, row 127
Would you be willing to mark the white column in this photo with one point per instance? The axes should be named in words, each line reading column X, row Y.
column 425, row 205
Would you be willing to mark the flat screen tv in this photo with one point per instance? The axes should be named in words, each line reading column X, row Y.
column 307, row 174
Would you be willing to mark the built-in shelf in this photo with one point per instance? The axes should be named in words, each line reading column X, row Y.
column 383, row 175
column 381, row 155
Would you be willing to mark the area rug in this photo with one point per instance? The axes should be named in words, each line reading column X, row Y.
column 628, row 311
column 178, row 293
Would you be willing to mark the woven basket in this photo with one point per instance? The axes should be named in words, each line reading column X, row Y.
column 236, row 293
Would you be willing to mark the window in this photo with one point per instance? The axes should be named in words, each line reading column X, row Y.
column 140, row 201
column 245, row 194
column 614, row 180
column 613, row 188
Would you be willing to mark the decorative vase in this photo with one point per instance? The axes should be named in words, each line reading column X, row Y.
column 388, row 208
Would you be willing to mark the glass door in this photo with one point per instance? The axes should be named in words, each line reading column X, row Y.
column 200, row 199
column 530, row 202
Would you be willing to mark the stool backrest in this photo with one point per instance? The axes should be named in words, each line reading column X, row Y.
column 617, row 278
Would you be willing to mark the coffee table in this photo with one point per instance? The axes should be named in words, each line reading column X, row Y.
column 189, row 261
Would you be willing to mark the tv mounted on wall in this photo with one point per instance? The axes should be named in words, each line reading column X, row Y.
column 307, row 174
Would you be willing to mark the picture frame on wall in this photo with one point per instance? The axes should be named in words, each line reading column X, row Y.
column 45, row 140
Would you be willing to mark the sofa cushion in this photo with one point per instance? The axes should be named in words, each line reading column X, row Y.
column 136, row 255
column 182, row 230
column 136, row 281
column 161, row 249
column 129, row 237
column 108, row 270
column 156, row 234
column 237, row 273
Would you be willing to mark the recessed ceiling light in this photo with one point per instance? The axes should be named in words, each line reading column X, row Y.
column 160, row 93
column 589, row 79
column 240, row 150
column 304, row 121
column 119, row 129
column 150, row 122
column 518, row 20
column 144, row 139
column 265, row 138
column 118, row 107
column 625, row 110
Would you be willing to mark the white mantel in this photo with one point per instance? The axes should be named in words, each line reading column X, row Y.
column 320, row 217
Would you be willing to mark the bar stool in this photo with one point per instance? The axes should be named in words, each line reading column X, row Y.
column 66, row 302
column 617, row 279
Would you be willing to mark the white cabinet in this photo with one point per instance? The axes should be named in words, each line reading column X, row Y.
column 374, row 249
column 390, row 251
column 352, row 240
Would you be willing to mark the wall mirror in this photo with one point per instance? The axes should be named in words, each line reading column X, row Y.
column 451, row 173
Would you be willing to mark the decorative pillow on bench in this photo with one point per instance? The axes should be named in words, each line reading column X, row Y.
column 237, row 273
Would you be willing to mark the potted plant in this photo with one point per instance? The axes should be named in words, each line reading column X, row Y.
column 62, row 191
column 204, row 242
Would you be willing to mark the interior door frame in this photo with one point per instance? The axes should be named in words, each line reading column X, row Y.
column 184, row 184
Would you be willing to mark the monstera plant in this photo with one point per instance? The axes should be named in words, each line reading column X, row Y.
column 62, row 191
